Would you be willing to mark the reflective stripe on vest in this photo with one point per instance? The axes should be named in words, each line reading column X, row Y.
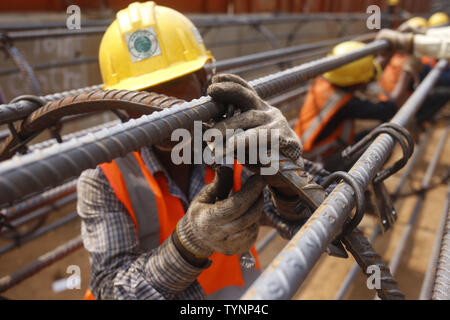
column 323, row 101
column 139, row 191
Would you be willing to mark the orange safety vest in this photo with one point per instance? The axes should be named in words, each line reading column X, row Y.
column 391, row 74
column 428, row 61
column 322, row 102
column 225, row 270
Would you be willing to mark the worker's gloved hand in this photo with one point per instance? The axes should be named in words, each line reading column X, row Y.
column 413, row 66
column 257, row 118
column 398, row 40
column 227, row 226
column 406, row 27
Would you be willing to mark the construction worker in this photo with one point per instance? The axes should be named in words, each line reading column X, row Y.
column 394, row 64
column 438, row 19
column 326, row 121
column 156, row 230
column 434, row 43
column 435, row 100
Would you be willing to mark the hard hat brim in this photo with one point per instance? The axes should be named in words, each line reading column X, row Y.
column 160, row 76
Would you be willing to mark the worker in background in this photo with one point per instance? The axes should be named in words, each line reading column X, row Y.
column 394, row 63
column 153, row 229
column 437, row 98
column 435, row 42
column 326, row 121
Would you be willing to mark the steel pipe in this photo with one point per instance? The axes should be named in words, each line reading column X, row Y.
column 289, row 269
column 37, row 171
column 430, row 275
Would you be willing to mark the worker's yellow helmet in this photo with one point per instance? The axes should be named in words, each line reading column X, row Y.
column 149, row 44
column 417, row 22
column 362, row 70
column 437, row 19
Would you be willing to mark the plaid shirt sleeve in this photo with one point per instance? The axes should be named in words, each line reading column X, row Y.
column 119, row 268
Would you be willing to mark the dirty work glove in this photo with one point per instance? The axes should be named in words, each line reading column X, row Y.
column 227, row 226
column 405, row 27
column 256, row 116
column 398, row 40
column 413, row 66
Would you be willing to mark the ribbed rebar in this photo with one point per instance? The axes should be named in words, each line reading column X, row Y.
column 366, row 257
column 284, row 52
column 40, row 263
column 39, row 200
column 39, row 170
column 52, row 226
column 289, row 269
column 407, row 230
column 430, row 275
column 18, row 110
column 418, row 152
column 441, row 289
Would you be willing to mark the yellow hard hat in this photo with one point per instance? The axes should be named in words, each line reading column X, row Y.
column 362, row 70
column 417, row 22
column 147, row 45
column 437, row 19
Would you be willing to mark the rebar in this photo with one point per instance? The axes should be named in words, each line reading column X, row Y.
column 396, row 258
column 52, row 226
column 21, row 109
column 441, row 288
column 430, row 275
column 37, row 171
column 289, row 269
column 39, row 200
column 279, row 53
column 40, row 263
column 418, row 152
column 42, row 211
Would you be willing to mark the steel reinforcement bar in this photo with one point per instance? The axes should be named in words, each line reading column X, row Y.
column 418, row 152
column 43, row 261
column 430, row 276
column 37, row 171
column 441, row 287
column 18, row 110
column 288, row 270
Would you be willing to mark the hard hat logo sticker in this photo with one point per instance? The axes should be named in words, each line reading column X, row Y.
column 142, row 44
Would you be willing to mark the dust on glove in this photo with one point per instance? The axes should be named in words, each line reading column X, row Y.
column 227, row 226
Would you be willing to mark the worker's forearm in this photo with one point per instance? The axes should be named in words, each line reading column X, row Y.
column 399, row 94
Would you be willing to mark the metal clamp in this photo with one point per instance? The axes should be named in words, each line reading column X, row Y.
column 359, row 196
column 398, row 133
